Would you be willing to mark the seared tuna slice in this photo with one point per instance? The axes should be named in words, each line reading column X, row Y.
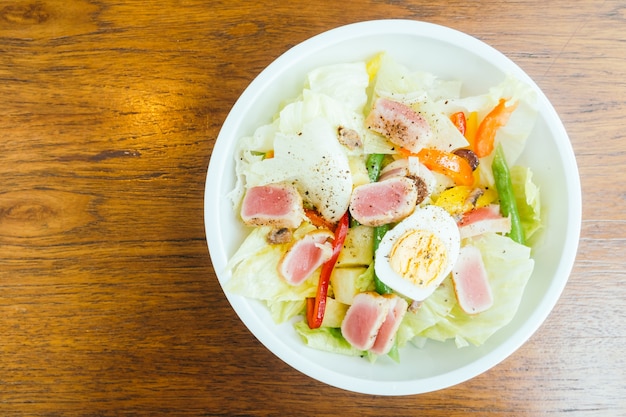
column 372, row 321
column 274, row 205
column 383, row 202
column 305, row 256
column 484, row 220
column 364, row 318
column 471, row 283
column 387, row 333
column 402, row 125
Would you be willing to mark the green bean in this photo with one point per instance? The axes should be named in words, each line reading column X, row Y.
column 354, row 222
column 508, row 204
column 374, row 165
column 379, row 232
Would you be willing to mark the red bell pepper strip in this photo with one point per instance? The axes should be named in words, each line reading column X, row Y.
column 486, row 133
column 315, row 307
column 458, row 119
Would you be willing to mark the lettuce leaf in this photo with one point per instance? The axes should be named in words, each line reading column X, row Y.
column 328, row 339
column 528, row 199
column 314, row 105
column 346, row 83
column 366, row 280
column 248, row 151
column 440, row 318
column 425, row 93
column 514, row 134
column 335, row 93
column 433, row 310
column 253, row 274
column 397, row 79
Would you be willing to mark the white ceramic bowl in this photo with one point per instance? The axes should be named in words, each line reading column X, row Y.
column 449, row 54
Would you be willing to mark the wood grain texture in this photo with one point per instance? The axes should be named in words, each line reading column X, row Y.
column 109, row 305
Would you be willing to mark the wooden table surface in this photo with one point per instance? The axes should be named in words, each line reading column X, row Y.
column 109, row 305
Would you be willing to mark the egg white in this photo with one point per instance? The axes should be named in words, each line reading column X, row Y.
column 431, row 219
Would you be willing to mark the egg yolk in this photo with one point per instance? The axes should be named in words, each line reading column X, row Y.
column 418, row 256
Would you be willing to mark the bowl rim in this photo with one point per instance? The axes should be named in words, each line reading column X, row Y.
column 501, row 352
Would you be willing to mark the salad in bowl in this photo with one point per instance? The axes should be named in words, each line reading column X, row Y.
column 392, row 207
column 384, row 209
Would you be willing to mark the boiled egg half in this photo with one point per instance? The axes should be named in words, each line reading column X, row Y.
column 416, row 255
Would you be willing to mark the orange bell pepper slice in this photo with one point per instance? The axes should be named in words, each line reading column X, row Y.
column 317, row 220
column 486, row 133
column 446, row 163
column 458, row 119
column 449, row 164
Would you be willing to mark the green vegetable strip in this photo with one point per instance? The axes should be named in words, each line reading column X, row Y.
column 508, row 205
column 353, row 222
column 379, row 232
column 374, row 166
